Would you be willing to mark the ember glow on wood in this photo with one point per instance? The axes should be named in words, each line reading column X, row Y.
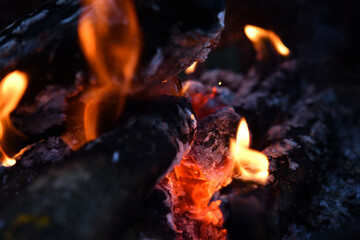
column 12, row 88
column 257, row 34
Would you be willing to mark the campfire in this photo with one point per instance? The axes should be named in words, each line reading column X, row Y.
column 128, row 119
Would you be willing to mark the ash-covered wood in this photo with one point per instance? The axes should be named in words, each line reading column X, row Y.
column 97, row 191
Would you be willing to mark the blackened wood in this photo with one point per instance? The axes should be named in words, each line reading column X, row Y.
column 97, row 192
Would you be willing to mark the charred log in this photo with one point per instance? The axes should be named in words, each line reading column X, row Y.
column 98, row 191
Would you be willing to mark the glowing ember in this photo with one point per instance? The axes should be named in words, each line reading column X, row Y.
column 110, row 39
column 204, row 102
column 12, row 88
column 195, row 191
column 191, row 69
column 256, row 34
column 192, row 191
column 248, row 164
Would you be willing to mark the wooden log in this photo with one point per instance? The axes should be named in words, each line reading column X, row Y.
column 97, row 191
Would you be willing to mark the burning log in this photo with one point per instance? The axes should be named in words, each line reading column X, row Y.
column 45, row 45
column 46, row 42
column 98, row 190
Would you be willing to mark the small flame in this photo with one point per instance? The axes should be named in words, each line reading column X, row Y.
column 110, row 39
column 12, row 88
column 191, row 69
column 255, row 34
column 248, row 164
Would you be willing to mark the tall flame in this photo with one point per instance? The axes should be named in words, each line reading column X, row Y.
column 248, row 164
column 12, row 88
column 256, row 34
column 110, row 39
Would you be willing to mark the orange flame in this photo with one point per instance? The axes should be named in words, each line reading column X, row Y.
column 12, row 88
column 256, row 34
column 110, row 39
column 191, row 69
column 248, row 164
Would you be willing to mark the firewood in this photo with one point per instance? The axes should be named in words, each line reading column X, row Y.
column 98, row 190
column 45, row 45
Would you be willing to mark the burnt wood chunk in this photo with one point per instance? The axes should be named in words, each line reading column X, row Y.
column 97, row 191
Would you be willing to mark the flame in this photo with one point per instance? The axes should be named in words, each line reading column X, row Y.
column 12, row 88
column 110, row 39
column 191, row 69
column 248, row 164
column 255, row 34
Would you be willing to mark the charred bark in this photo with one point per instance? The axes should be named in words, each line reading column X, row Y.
column 97, row 191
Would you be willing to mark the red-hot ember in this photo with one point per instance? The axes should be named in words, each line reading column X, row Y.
column 204, row 103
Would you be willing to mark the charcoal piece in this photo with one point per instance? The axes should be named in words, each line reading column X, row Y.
column 97, row 192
